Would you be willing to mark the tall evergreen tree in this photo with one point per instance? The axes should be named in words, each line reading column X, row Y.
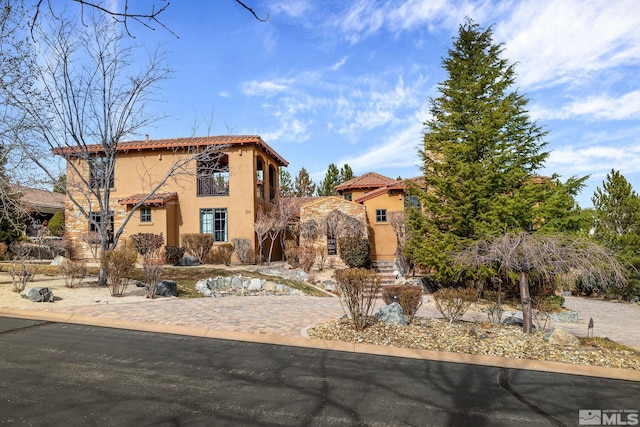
column 617, row 225
column 304, row 186
column 481, row 153
column 286, row 184
column 346, row 173
column 331, row 179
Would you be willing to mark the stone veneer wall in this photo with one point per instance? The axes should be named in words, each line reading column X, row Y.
column 318, row 210
column 76, row 225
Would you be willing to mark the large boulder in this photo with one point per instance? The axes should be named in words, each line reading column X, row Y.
column 167, row 288
column 206, row 287
column 256, row 284
column 57, row 261
column 560, row 337
column 188, row 261
column 392, row 314
column 37, row 294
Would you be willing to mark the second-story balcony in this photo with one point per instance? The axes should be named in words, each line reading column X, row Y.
column 212, row 186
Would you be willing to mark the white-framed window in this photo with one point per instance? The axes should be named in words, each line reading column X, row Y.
column 214, row 221
column 145, row 214
column 381, row 215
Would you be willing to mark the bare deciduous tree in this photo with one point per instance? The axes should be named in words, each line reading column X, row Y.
column 148, row 17
column 85, row 99
column 552, row 257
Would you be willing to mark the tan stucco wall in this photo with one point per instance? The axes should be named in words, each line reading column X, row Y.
column 381, row 235
column 138, row 171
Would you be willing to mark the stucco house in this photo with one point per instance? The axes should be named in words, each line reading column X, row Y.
column 222, row 198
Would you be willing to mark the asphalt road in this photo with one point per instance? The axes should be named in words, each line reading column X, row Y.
column 58, row 374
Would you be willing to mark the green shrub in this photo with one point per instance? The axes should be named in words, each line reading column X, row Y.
column 198, row 244
column 242, row 246
column 452, row 303
column 146, row 243
column 117, row 264
column 173, row 254
column 56, row 224
column 408, row 296
column 354, row 251
column 357, row 288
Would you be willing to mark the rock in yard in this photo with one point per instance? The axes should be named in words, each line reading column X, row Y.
column 256, row 284
column 167, row 288
column 204, row 287
column 37, row 294
column 559, row 336
column 58, row 260
column 392, row 314
column 188, row 261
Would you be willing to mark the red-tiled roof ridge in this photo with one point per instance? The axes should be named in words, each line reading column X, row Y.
column 154, row 199
column 184, row 142
column 367, row 180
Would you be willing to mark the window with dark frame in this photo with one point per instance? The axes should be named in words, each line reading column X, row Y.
column 97, row 222
column 145, row 214
column 214, row 221
column 381, row 215
column 99, row 174
column 348, row 196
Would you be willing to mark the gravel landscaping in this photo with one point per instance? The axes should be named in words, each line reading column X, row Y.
column 482, row 339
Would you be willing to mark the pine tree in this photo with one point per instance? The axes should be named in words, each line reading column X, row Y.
column 304, row 186
column 346, row 173
column 286, row 185
column 331, row 179
column 481, row 152
column 617, row 225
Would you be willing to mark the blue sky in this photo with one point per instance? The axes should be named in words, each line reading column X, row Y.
column 349, row 81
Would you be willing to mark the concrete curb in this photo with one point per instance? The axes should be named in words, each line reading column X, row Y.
column 440, row 356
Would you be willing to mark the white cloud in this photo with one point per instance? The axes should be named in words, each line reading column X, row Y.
column 399, row 150
column 601, row 108
column 566, row 41
column 293, row 8
column 265, row 88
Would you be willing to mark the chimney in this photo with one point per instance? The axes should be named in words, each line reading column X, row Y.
column 147, row 137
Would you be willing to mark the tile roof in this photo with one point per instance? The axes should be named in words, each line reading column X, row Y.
column 154, row 199
column 41, row 200
column 379, row 191
column 367, row 180
column 199, row 141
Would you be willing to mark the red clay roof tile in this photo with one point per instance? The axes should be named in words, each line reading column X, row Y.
column 152, row 144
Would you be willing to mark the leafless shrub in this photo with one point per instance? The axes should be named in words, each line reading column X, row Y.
column 242, row 246
column 494, row 305
column 358, row 288
column 292, row 254
column 408, row 296
column 153, row 269
column 452, row 303
column 543, row 308
column 3, row 250
column 117, row 263
column 197, row 244
column 398, row 222
column 307, row 256
column 220, row 255
column 93, row 242
column 21, row 274
column 310, row 230
column 73, row 272
column 321, row 257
